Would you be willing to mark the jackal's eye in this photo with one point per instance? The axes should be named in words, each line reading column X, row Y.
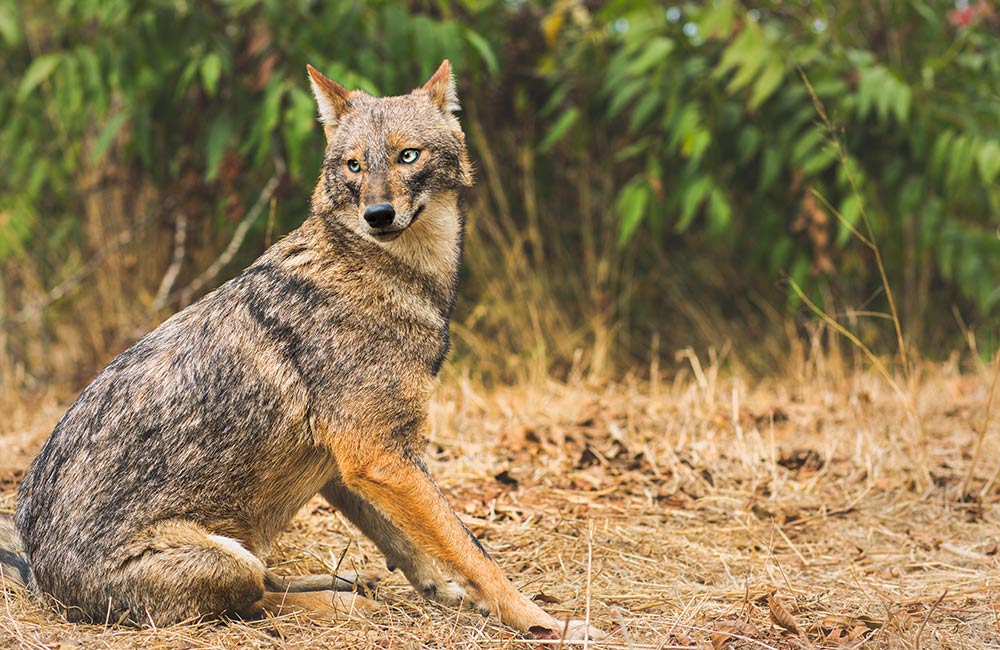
column 409, row 156
column 354, row 165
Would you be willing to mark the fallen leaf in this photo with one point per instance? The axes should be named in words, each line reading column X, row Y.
column 808, row 460
column 729, row 629
column 781, row 616
column 542, row 597
column 505, row 478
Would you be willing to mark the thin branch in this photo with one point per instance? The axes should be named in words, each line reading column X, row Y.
column 167, row 283
column 238, row 236
column 870, row 240
column 849, row 335
column 920, row 632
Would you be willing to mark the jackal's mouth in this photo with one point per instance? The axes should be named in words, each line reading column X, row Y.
column 390, row 233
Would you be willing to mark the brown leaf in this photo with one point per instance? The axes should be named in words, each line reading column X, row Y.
column 808, row 460
column 671, row 499
column 839, row 629
column 781, row 616
column 505, row 478
column 833, row 622
column 10, row 476
column 732, row 628
column 542, row 597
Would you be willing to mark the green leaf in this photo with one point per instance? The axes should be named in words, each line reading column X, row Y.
column 818, row 161
column 988, row 160
column 657, row 50
column 682, row 125
column 10, row 29
column 620, row 96
column 806, row 144
column 39, row 70
column 829, row 88
column 634, row 149
column 866, row 94
column 939, row 153
column 696, row 145
column 643, row 110
column 565, row 122
column 299, row 129
column 902, row 96
column 770, row 167
column 747, row 143
column 483, row 49
column 107, row 135
column 211, row 70
column 220, row 134
column 961, row 158
column 911, row 195
column 746, row 72
column 720, row 213
column 632, row 208
column 767, row 83
column 746, row 47
column 718, row 20
column 850, row 211
column 691, row 198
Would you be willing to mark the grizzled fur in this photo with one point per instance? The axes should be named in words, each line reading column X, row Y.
column 311, row 371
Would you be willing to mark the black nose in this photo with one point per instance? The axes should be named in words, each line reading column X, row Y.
column 380, row 215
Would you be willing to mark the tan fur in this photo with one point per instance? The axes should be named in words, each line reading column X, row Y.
column 435, row 247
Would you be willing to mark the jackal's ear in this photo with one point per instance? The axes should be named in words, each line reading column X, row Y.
column 441, row 88
column 331, row 97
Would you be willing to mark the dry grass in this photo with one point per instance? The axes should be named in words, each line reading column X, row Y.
column 716, row 513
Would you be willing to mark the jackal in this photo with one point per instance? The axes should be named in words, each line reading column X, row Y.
column 172, row 473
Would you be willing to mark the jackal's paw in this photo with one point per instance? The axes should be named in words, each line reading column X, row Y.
column 363, row 582
column 573, row 631
column 580, row 631
column 443, row 590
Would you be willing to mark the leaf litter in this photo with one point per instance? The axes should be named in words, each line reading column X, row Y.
column 783, row 514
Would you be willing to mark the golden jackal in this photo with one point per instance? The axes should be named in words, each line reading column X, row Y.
column 172, row 473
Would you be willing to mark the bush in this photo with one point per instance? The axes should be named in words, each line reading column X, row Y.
column 643, row 168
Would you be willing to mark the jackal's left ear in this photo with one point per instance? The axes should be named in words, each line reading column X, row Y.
column 441, row 88
column 331, row 97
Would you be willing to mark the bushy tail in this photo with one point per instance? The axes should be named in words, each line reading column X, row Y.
column 14, row 569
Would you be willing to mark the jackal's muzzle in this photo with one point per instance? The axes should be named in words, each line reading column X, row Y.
column 385, row 224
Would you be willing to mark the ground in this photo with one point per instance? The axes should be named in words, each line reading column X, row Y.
column 820, row 510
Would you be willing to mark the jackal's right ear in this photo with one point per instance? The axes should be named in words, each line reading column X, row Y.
column 441, row 88
column 331, row 97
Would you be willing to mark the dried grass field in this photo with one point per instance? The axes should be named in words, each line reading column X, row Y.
column 819, row 510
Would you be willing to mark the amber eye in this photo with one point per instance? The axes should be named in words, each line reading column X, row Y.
column 354, row 165
column 408, row 156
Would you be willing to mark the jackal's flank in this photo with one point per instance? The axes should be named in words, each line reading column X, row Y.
column 173, row 472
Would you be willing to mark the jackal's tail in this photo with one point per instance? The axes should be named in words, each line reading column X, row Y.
column 14, row 569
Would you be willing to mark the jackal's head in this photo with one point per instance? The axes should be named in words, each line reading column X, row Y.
column 394, row 166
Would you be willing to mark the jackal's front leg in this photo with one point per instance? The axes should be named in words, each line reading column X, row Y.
column 425, row 574
column 400, row 488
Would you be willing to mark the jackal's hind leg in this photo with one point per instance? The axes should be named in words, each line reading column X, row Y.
column 362, row 582
column 177, row 571
column 326, row 605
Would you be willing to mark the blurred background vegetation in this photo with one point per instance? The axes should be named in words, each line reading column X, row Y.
column 652, row 176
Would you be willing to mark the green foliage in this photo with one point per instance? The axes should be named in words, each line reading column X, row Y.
column 670, row 130
column 170, row 88
column 711, row 105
